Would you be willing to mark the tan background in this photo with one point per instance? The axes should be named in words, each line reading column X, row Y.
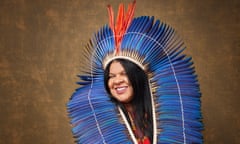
column 40, row 56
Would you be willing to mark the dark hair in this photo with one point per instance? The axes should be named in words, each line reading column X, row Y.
column 141, row 101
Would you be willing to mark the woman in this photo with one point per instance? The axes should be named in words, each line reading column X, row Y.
column 127, row 84
column 139, row 88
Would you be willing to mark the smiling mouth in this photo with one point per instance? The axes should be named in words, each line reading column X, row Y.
column 121, row 90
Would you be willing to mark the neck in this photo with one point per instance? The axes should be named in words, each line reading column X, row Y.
column 128, row 107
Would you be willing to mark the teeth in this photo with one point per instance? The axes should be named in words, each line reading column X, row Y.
column 120, row 88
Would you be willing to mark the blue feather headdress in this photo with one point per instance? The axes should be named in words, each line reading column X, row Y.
column 157, row 48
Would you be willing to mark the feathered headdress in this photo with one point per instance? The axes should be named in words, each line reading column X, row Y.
column 156, row 48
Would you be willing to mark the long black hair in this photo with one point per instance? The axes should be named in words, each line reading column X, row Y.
column 141, row 101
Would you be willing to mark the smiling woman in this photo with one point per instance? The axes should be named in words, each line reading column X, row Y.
column 127, row 84
column 140, row 88
column 118, row 83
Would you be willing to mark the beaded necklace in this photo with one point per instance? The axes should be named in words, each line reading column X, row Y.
column 137, row 131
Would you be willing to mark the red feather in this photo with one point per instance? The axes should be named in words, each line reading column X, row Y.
column 123, row 21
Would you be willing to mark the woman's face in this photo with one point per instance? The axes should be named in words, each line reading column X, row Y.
column 119, row 84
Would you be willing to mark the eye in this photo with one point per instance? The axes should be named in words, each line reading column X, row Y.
column 111, row 76
column 123, row 73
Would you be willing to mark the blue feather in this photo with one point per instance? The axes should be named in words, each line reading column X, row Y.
column 177, row 95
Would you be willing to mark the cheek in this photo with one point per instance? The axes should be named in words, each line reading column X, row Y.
column 126, row 79
column 109, row 85
column 131, row 93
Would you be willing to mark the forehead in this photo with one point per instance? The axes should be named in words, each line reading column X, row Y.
column 116, row 67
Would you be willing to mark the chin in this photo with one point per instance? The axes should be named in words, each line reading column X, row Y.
column 125, row 100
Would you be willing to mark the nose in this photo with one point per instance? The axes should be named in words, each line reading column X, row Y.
column 118, row 80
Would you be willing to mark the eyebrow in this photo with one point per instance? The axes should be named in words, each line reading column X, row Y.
column 121, row 72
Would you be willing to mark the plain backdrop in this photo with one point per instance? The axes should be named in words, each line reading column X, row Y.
column 41, row 45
